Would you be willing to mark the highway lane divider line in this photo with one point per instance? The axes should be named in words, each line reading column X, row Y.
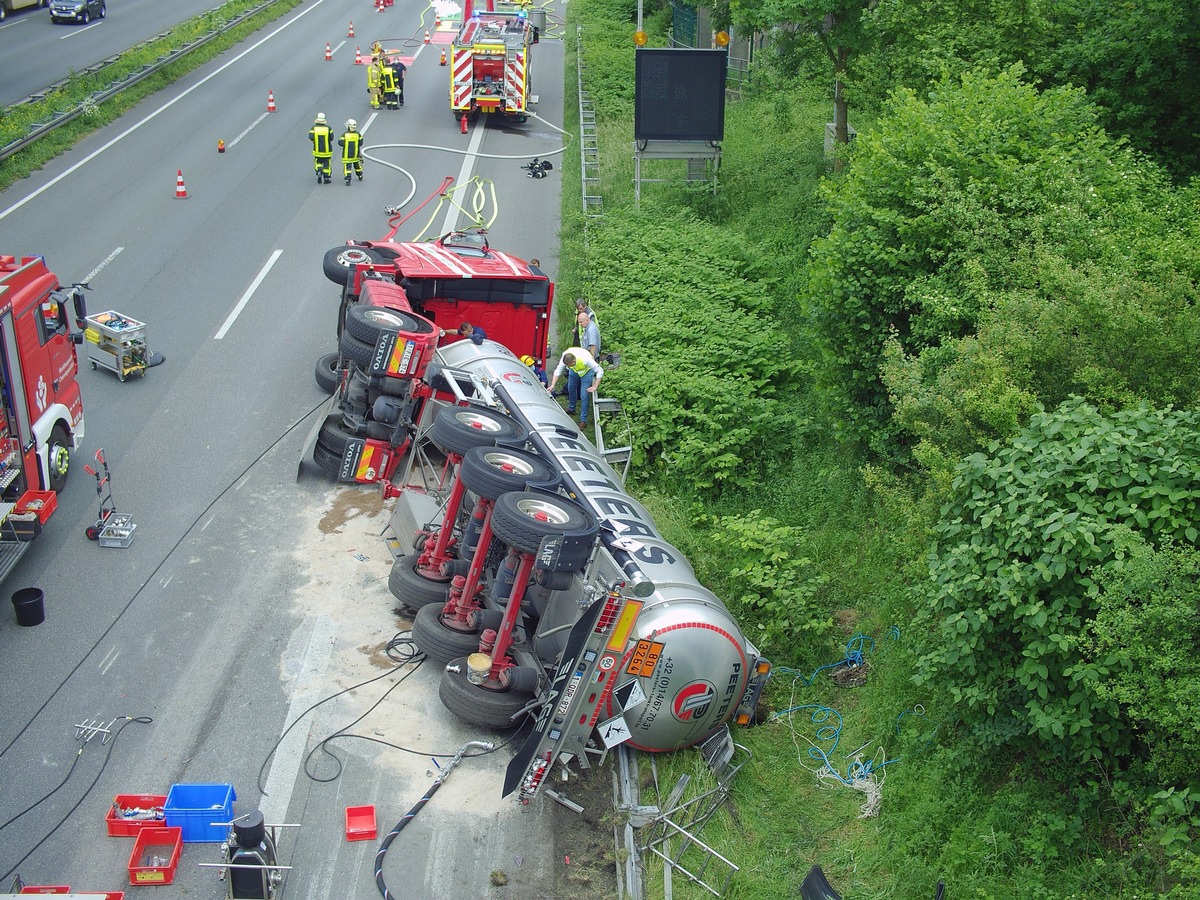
column 246, row 296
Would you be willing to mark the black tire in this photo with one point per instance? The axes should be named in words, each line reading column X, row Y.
column 477, row 705
column 413, row 590
column 456, row 429
column 435, row 640
column 58, row 458
column 327, row 461
column 329, row 372
column 356, row 351
column 367, row 323
column 332, row 440
column 338, row 262
column 103, row 11
column 521, row 519
column 491, row 471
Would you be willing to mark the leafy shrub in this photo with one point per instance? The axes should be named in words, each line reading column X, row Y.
column 703, row 370
column 779, row 586
column 1015, row 577
column 1148, row 623
column 938, row 200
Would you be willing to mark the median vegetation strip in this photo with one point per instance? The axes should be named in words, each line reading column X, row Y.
column 226, row 25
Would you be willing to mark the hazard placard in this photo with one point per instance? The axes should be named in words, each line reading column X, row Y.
column 614, row 732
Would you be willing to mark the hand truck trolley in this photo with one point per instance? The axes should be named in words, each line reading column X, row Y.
column 112, row 529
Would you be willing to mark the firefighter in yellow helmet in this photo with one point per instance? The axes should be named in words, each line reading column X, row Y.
column 374, row 74
column 351, row 144
column 387, row 84
column 321, row 136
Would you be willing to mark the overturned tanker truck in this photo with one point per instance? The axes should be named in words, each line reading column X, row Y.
column 543, row 588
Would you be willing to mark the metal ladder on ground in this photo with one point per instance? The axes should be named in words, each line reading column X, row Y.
column 589, row 146
column 617, row 457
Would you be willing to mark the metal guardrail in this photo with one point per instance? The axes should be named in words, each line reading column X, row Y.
column 95, row 99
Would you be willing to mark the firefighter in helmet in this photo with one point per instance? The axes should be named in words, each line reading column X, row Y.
column 374, row 74
column 351, row 144
column 387, row 84
column 321, row 136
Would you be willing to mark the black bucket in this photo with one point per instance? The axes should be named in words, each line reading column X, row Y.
column 30, row 605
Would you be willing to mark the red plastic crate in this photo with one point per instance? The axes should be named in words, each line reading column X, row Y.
column 120, row 826
column 155, row 855
column 40, row 502
column 360, row 823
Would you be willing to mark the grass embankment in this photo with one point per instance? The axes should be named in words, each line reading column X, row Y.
column 813, row 518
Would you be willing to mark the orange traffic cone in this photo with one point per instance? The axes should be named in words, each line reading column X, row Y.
column 463, row 123
column 270, row 101
column 180, row 190
column 357, row 56
column 443, row 62
column 220, row 146
column 328, row 52
column 378, row 5
column 427, row 35
column 350, row 33
column 437, row 21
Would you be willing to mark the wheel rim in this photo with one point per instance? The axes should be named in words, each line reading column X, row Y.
column 60, row 460
column 475, row 420
column 508, row 462
column 384, row 317
column 543, row 511
column 354, row 256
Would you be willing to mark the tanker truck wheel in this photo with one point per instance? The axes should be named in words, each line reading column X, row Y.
column 477, row 705
column 328, row 372
column 414, row 590
column 522, row 519
column 491, row 471
column 435, row 640
column 339, row 261
column 456, row 429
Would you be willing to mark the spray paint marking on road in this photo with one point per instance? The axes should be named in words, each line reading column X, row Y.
column 100, row 268
column 252, row 126
column 246, row 296
column 109, row 658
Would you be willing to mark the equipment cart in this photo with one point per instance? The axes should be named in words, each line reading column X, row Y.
column 117, row 343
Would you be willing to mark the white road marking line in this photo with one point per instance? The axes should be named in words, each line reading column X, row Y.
column 96, row 271
column 250, row 128
column 246, row 296
column 289, row 754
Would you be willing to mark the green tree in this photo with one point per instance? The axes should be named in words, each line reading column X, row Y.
column 1016, row 575
column 1141, row 63
column 939, row 198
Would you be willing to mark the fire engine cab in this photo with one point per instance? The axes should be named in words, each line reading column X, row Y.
column 41, row 411
column 491, row 63
column 400, row 301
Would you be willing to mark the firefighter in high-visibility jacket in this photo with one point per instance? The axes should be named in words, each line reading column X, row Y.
column 388, row 85
column 351, row 144
column 321, row 136
column 374, row 74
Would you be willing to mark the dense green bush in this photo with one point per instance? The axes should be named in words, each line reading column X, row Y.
column 703, row 374
column 1023, row 548
column 937, row 201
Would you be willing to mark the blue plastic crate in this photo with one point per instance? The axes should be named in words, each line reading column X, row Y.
column 195, row 807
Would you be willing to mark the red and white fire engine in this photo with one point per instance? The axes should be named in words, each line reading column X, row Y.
column 41, row 411
column 491, row 63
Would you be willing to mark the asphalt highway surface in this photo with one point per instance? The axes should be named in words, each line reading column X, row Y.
column 37, row 52
column 246, row 598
